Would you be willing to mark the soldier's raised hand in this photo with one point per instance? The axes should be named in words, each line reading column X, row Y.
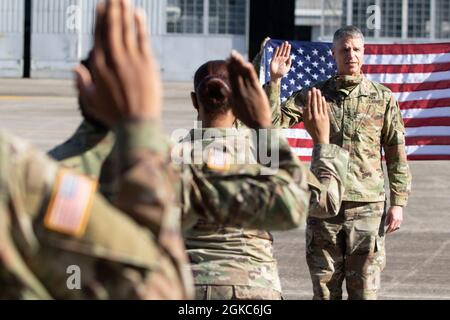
column 249, row 101
column 316, row 118
column 125, row 79
column 281, row 62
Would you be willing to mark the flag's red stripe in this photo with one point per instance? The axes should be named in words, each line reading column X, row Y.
column 409, row 87
column 425, row 104
column 300, row 125
column 411, row 141
column 300, row 143
column 407, row 68
column 430, row 141
column 418, row 48
column 410, row 157
column 421, row 122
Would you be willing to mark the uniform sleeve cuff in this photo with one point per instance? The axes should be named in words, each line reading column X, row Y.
column 326, row 151
column 399, row 201
column 137, row 135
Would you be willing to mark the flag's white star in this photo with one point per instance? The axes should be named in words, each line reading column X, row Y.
column 308, row 69
column 308, row 57
column 330, row 53
column 307, row 83
column 284, row 86
column 322, row 58
column 322, row 70
column 315, row 52
column 290, row 93
column 293, row 69
column 293, row 57
column 283, row 99
column 300, row 50
column 315, row 64
column 300, row 63
column 299, row 88
column 300, row 76
column 292, row 81
column 315, row 76
column 270, row 49
column 330, row 65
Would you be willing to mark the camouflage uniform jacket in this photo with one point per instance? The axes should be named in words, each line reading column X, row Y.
column 86, row 150
column 244, row 193
column 362, row 122
column 44, row 230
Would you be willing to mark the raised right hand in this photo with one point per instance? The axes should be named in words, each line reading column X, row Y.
column 249, row 101
column 316, row 118
column 125, row 81
column 281, row 62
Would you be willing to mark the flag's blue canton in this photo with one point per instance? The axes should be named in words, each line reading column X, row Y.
column 311, row 62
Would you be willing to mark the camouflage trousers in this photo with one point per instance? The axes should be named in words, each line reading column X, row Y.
column 223, row 292
column 349, row 246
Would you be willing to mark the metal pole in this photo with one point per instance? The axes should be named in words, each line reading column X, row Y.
column 405, row 19
column 79, row 29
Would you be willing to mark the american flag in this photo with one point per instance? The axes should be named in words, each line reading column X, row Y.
column 417, row 74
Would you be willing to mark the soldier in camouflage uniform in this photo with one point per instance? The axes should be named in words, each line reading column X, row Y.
column 225, row 178
column 51, row 219
column 364, row 118
column 86, row 150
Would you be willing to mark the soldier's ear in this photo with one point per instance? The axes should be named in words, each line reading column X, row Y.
column 194, row 100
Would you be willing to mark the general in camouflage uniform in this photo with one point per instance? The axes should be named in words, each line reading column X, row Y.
column 51, row 220
column 364, row 118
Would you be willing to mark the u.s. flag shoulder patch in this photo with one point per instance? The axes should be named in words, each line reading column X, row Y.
column 218, row 160
column 70, row 203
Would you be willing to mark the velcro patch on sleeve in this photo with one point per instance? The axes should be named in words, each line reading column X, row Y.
column 70, row 203
column 218, row 160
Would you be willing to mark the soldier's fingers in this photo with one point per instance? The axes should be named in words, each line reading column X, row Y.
column 142, row 39
column 284, row 49
column 307, row 111
column 114, row 31
column 324, row 107
column 243, row 67
column 288, row 50
column 277, row 53
column 289, row 62
column 318, row 103
column 83, row 81
column 129, row 40
column 315, row 102
column 99, row 26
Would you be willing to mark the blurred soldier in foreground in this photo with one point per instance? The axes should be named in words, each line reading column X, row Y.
column 364, row 117
column 227, row 177
column 51, row 219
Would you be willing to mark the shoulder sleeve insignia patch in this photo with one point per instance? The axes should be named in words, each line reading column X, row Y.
column 70, row 203
column 218, row 160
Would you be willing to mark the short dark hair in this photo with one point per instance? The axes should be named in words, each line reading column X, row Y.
column 347, row 32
